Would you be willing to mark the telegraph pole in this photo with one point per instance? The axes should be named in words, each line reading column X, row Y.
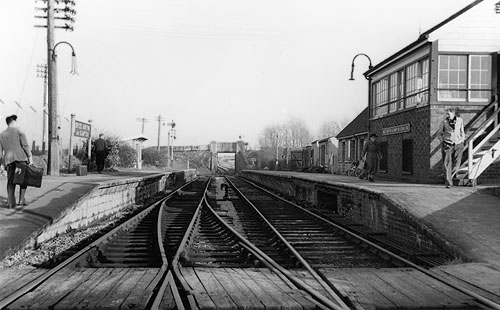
column 42, row 72
column 68, row 12
column 142, row 120
column 160, row 120
column 53, row 160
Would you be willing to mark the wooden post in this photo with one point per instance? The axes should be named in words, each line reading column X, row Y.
column 159, row 131
column 44, row 115
column 89, row 146
column 53, row 156
column 470, row 149
column 168, row 149
column 71, row 133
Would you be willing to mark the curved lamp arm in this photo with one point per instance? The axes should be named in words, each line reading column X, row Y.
column 352, row 65
column 73, row 61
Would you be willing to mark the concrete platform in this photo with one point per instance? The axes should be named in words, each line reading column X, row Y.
column 48, row 203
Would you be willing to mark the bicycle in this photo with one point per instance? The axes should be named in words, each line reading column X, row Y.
column 354, row 170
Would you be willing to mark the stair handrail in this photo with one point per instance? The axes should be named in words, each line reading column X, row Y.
column 493, row 104
column 469, row 142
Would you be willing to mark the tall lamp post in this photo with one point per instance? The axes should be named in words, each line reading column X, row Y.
column 53, row 156
column 369, row 83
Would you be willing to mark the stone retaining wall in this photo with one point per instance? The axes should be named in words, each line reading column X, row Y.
column 109, row 198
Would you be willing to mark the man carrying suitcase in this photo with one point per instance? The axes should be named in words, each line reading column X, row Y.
column 14, row 149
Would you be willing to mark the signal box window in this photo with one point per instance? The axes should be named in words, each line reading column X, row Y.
column 464, row 78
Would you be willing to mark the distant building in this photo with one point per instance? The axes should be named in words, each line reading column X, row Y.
column 351, row 140
column 326, row 154
column 454, row 64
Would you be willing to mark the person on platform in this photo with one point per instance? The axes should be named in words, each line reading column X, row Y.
column 14, row 149
column 452, row 136
column 372, row 152
column 101, row 151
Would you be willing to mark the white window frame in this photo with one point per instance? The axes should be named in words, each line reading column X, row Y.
column 468, row 71
column 469, row 78
column 383, row 103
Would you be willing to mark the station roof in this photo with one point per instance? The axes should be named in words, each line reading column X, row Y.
column 358, row 126
column 139, row 138
column 422, row 39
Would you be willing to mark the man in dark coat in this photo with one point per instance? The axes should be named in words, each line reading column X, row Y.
column 101, row 151
column 372, row 152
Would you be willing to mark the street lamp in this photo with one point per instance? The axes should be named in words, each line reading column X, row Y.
column 53, row 156
column 369, row 84
column 352, row 65
column 73, row 56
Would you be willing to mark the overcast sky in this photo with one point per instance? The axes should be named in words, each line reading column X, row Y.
column 218, row 68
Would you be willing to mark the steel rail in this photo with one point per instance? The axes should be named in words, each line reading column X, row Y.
column 168, row 279
column 275, row 267
column 480, row 299
column 175, row 260
column 194, row 219
column 38, row 281
column 328, row 287
column 254, row 250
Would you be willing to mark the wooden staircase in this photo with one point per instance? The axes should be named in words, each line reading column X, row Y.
column 482, row 147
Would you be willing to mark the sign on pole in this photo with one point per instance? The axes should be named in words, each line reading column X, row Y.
column 82, row 130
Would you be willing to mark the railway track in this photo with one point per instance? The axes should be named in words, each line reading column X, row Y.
column 136, row 250
column 188, row 231
column 307, row 234
column 316, row 241
column 148, row 251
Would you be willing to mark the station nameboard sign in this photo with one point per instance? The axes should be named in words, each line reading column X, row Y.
column 395, row 129
column 82, row 130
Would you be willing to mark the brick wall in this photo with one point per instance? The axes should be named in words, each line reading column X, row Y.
column 491, row 175
column 427, row 159
column 418, row 118
column 375, row 212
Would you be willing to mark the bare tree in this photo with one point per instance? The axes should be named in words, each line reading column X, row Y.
column 331, row 128
column 293, row 134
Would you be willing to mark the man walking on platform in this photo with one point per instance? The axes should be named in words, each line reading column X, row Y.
column 371, row 150
column 101, row 150
column 452, row 136
column 14, row 149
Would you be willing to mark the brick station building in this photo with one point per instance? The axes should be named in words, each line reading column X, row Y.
column 454, row 64
column 351, row 141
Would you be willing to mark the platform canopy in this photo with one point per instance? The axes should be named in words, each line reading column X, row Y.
column 138, row 138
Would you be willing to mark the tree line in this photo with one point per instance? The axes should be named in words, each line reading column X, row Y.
column 295, row 134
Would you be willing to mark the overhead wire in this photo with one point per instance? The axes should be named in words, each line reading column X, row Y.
column 29, row 65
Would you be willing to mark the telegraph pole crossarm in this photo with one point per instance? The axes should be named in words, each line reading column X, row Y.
column 142, row 120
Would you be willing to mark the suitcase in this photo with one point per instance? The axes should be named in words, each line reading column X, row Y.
column 28, row 175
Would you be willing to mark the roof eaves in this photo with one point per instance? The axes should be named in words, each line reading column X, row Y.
column 352, row 135
column 422, row 38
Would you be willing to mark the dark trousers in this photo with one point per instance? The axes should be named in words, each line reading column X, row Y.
column 100, row 156
column 452, row 159
column 11, row 187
